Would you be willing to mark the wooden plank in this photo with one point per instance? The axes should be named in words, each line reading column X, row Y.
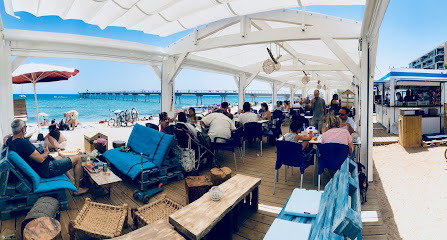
column 196, row 219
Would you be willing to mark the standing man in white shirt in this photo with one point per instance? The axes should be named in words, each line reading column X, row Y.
column 220, row 125
column 346, row 121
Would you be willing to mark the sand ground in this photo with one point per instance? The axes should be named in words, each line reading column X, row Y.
column 413, row 196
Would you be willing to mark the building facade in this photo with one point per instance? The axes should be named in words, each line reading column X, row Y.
column 434, row 59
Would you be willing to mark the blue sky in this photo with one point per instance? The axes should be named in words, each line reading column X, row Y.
column 410, row 28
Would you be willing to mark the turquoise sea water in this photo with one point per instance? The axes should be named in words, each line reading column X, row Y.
column 98, row 109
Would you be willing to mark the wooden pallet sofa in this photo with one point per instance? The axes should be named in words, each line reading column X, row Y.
column 332, row 214
column 160, row 163
column 21, row 186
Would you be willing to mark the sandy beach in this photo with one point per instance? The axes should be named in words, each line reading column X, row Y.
column 412, row 197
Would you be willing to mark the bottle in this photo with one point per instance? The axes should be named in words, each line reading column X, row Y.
column 304, row 127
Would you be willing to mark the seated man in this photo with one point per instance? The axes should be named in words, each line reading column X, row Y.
column 247, row 115
column 54, row 139
column 44, row 165
column 346, row 122
column 294, row 135
column 226, row 110
column 220, row 125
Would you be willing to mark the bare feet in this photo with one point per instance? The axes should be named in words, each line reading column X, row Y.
column 81, row 191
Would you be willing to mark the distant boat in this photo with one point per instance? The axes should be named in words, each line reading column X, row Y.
column 59, row 97
column 22, row 95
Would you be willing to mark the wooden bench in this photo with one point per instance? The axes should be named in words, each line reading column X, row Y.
column 218, row 219
column 338, row 214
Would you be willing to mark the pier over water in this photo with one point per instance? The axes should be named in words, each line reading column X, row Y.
column 134, row 95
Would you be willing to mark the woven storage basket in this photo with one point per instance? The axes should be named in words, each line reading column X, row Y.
column 160, row 209
column 97, row 220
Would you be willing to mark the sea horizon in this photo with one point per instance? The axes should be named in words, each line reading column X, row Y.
column 94, row 110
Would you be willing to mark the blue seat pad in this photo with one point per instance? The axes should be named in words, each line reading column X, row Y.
column 150, row 142
column 303, row 203
column 283, row 229
column 128, row 163
column 41, row 184
column 54, row 183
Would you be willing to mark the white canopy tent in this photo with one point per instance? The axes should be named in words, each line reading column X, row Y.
column 229, row 37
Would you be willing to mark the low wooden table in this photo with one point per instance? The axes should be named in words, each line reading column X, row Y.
column 159, row 230
column 42, row 228
column 101, row 180
column 218, row 219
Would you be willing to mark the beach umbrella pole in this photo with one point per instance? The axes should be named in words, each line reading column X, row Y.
column 37, row 111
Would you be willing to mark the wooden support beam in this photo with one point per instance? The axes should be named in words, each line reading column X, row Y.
column 342, row 55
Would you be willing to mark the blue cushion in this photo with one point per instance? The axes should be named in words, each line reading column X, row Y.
column 150, row 142
column 54, row 183
column 25, row 167
column 128, row 163
column 283, row 229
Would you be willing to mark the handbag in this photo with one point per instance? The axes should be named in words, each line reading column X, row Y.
column 188, row 159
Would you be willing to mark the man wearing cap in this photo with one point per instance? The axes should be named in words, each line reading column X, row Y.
column 43, row 164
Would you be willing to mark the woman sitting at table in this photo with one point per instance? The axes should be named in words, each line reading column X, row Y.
column 182, row 120
column 294, row 135
column 335, row 134
column 279, row 106
column 191, row 115
column 265, row 115
column 164, row 121
column 286, row 106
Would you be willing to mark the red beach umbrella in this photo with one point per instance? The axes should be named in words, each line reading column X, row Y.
column 33, row 73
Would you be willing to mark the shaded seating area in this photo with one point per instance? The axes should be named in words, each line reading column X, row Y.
column 21, row 186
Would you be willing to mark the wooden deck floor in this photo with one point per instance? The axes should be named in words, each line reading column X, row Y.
column 258, row 224
column 381, row 136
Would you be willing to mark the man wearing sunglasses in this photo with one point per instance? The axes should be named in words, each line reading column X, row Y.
column 44, row 165
column 346, row 121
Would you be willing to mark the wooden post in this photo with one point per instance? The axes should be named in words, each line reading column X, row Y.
column 220, row 175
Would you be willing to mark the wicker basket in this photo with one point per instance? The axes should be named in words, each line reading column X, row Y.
column 160, row 209
column 97, row 220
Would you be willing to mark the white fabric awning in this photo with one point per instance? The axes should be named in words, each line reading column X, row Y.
column 159, row 17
